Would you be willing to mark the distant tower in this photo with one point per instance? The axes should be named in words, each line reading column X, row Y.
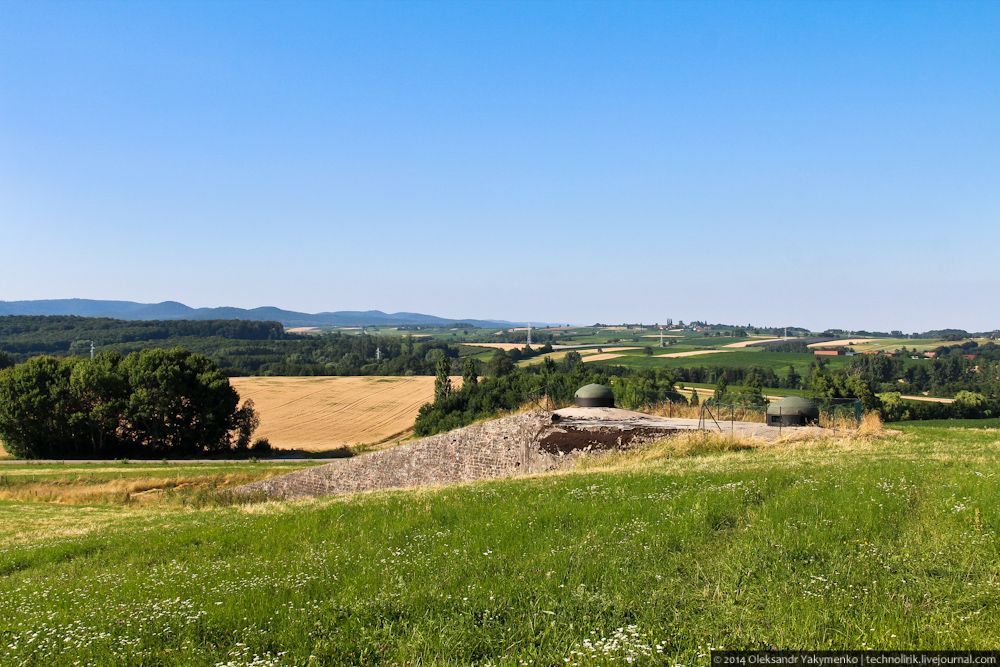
column 91, row 350
column 378, row 353
column 661, row 336
column 529, row 334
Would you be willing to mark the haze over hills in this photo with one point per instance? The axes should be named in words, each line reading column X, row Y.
column 173, row 310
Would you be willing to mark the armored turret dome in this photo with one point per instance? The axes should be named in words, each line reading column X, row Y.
column 794, row 405
column 594, row 396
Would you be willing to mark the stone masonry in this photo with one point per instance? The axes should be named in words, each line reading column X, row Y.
column 498, row 448
column 522, row 444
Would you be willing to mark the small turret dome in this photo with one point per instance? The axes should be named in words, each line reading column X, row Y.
column 594, row 396
column 792, row 411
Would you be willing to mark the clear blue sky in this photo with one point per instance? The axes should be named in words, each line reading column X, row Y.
column 813, row 163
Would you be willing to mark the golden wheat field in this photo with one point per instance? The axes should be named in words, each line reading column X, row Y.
column 322, row 413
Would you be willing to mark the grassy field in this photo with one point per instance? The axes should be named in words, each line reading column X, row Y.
column 737, row 358
column 921, row 344
column 888, row 542
column 137, row 483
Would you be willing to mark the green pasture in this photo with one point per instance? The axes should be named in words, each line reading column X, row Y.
column 739, row 358
column 889, row 542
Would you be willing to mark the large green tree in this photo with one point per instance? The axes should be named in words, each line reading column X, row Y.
column 39, row 416
column 150, row 403
column 180, row 403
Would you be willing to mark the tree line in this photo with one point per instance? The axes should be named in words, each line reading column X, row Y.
column 29, row 335
column 506, row 386
column 500, row 385
column 238, row 347
column 152, row 403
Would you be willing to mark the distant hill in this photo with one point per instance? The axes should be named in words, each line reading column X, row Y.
column 172, row 310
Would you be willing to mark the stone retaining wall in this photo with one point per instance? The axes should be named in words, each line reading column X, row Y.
column 507, row 447
column 500, row 448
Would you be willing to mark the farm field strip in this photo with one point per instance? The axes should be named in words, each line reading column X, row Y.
column 506, row 347
column 326, row 413
column 755, row 341
column 603, row 357
column 587, row 354
column 842, row 342
column 692, row 353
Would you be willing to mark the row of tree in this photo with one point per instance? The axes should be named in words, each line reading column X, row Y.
column 239, row 347
column 29, row 335
column 507, row 386
column 153, row 403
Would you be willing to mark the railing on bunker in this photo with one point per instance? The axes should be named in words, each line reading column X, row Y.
column 837, row 412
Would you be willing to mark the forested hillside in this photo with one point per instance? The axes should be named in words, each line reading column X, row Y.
column 239, row 347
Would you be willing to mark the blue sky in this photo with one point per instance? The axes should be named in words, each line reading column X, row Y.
column 814, row 163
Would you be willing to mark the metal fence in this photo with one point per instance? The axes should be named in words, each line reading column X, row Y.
column 842, row 414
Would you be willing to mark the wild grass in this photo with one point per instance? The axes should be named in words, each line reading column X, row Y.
column 694, row 443
column 131, row 483
column 882, row 541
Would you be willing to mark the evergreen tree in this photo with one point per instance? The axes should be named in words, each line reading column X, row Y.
column 442, row 383
column 793, row 380
column 470, row 376
column 720, row 388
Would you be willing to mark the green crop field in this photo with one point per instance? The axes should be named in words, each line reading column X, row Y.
column 889, row 542
column 738, row 358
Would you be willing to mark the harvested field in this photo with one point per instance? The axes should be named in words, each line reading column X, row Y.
column 303, row 330
column 929, row 399
column 843, row 341
column 501, row 346
column 588, row 354
column 609, row 354
column 692, row 353
column 603, row 357
column 325, row 413
column 756, row 341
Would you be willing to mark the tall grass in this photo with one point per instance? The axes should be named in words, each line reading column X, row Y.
column 893, row 544
column 129, row 483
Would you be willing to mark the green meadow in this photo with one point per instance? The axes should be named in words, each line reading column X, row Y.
column 650, row 558
column 738, row 358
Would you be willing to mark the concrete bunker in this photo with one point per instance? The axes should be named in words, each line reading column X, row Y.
column 792, row 411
